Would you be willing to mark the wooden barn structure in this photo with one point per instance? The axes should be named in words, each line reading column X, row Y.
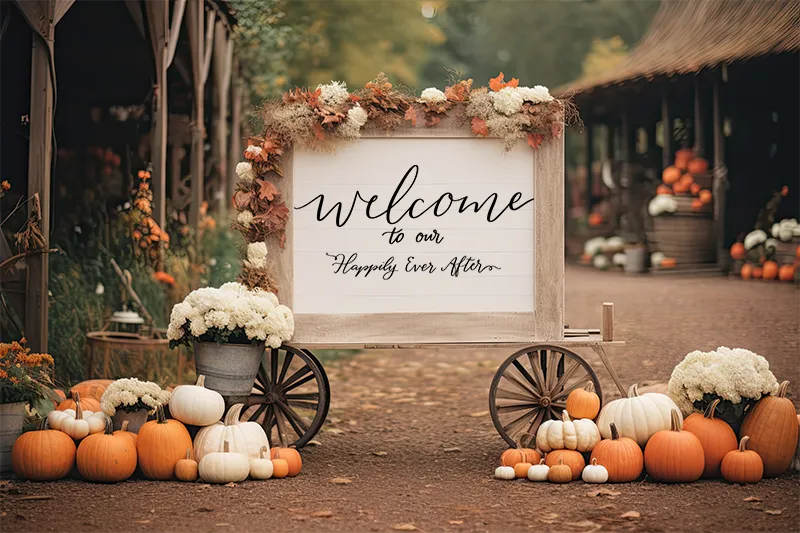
column 67, row 64
column 724, row 78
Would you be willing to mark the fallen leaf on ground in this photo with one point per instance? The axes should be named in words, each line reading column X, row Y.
column 549, row 516
column 450, row 450
column 548, row 522
column 141, row 521
column 222, row 524
column 405, row 527
column 322, row 514
column 583, row 524
column 456, row 522
column 479, row 413
column 314, row 442
column 630, row 514
column 36, row 498
column 605, row 492
column 341, row 481
column 334, row 431
column 231, row 484
column 752, row 499
column 379, row 454
column 204, row 486
column 773, row 511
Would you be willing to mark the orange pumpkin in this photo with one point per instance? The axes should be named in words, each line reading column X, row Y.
column 797, row 253
column 44, row 455
column 595, row 219
column 87, row 404
column 161, row 444
column 737, row 251
column 560, row 473
column 681, row 187
column 92, row 388
column 697, row 204
column 105, row 457
column 772, row 427
column 687, row 179
column 694, row 188
column 621, row 456
column 742, row 465
column 683, row 156
column 280, row 468
column 663, row 189
column 521, row 469
column 673, row 455
column 186, row 468
column 705, row 196
column 786, row 273
column 123, row 432
column 583, row 403
column 747, row 271
column 698, row 165
column 758, row 272
column 520, row 455
column 668, row 262
column 291, row 456
column 714, row 434
column 671, row 175
column 574, row 460
column 770, row 270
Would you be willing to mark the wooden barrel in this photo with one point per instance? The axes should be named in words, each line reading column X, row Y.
column 688, row 238
column 786, row 252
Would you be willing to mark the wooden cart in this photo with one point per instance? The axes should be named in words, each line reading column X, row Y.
column 518, row 304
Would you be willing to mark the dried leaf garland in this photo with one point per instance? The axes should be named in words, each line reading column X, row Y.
column 479, row 127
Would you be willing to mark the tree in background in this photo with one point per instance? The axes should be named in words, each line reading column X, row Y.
column 604, row 55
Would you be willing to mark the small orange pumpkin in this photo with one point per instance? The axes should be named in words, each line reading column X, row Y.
column 681, row 187
column 687, row 179
column 770, row 270
column 87, row 404
column 560, row 473
column 574, row 460
column 772, row 427
column 705, row 196
column 742, row 465
column 737, row 251
column 521, row 469
column 663, row 189
column 673, row 455
column 621, row 456
column 697, row 204
column 280, row 468
column 797, row 253
column 186, row 468
column 123, row 432
column 583, row 403
column 519, row 455
column 595, row 219
column 694, row 188
column 671, row 175
column 758, row 272
column 786, row 273
column 747, row 271
column 668, row 262
column 682, row 157
column 292, row 458
column 698, row 165
column 714, row 434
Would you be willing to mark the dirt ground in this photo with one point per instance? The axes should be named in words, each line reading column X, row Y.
column 409, row 443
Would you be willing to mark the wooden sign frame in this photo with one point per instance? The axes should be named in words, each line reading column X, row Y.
column 402, row 330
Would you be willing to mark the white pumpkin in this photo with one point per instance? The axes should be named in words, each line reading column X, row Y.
column 594, row 473
column 601, row 262
column 246, row 438
column 754, row 238
column 656, row 258
column 196, row 405
column 505, row 472
column 538, row 472
column 77, row 423
column 593, row 246
column 775, row 229
column 637, row 417
column 261, row 468
column 662, row 203
column 224, row 466
column 786, row 229
column 613, row 244
column 770, row 244
column 567, row 434
column 619, row 259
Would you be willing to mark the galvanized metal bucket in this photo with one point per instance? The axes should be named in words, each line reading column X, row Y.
column 230, row 369
column 12, row 416
column 135, row 419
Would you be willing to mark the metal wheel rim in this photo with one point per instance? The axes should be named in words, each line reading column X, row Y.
column 524, row 402
column 295, row 398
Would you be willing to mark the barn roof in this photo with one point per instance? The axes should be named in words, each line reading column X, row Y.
column 687, row 36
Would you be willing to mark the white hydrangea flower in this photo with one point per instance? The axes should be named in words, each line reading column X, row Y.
column 357, row 115
column 256, row 150
column 432, row 95
column 537, row 94
column 245, row 171
column 333, row 93
column 507, row 101
column 245, row 218
column 257, row 255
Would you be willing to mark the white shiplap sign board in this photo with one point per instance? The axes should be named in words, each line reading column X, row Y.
column 447, row 259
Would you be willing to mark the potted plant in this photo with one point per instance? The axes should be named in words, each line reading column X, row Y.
column 25, row 379
column 228, row 328
column 132, row 400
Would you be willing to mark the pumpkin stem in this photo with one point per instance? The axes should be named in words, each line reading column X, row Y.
column 201, row 381
column 109, row 426
column 560, row 460
column 160, row 416
column 541, row 461
column 589, row 387
column 565, row 416
column 783, row 389
column 675, row 421
column 76, row 397
column 188, row 453
column 594, row 461
column 633, row 391
column 232, row 418
column 124, row 426
column 43, row 424
column 709, row 412
column 743, row 443
column 614, row 431
column 262, row 452
column 226, row 447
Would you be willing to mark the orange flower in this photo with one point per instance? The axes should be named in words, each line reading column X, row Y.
column 5, row 185
column 785, row 191
column 496, row 84
column 163, row 277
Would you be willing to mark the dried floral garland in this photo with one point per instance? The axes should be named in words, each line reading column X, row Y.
column 322, row 118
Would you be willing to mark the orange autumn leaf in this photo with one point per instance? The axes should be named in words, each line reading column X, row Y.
column 431, row 120
column 458, row 92
column 318, row 131
column 535, row 140
column 496, row 84
column 479, row 127
column 411, row 116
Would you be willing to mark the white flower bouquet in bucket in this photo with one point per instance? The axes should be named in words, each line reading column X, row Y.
column 737, row 377
column 131, row 400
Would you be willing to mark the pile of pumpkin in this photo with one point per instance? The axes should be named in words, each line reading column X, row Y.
column 647, row 432
column 679, row 179
column 759, row 252
column 223, row 451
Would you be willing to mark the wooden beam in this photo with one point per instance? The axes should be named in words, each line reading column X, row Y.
column 589, row 162
column 158, row 21
column 62, row 6
column 209, row 45
column 666, row 121
column 223, row 57
column 197, row 42
column 175, row 29
column 720, row 172
column 235, row 150
column 698, row 119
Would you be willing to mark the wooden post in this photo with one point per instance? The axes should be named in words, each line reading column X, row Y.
column 625, row 150
column 607, row 326
column 666, row 121
column 235, row 151
column 589, row 162
column 720, row 184
column 42, row 16
column 223, row 56
column 698, row 119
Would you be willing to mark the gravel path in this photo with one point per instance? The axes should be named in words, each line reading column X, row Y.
column 409, row 443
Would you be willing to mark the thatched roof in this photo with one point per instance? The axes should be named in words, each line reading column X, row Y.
column 687, row 36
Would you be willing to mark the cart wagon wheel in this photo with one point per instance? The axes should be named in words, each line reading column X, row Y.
column 290, row 396
column 525, row 391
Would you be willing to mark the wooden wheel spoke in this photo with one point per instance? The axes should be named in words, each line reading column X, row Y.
column 512, row 407
column 263, row 377
column 294, row 378
column 559, row 405
column 275, row 353
column 295, row 420
column 299, row 382
column 269, row 422
column 574, row 365
column 259, row 387
column 565, row 392
column 536, row 367
column 258, row 412
column 524, row 372
column 515, row 426
column 256, row 399
column 303, row 404
column 536, row 421
column 510, row 395
column 519, row 384
column 551, row 369
column 287, row 360
column 281, row 420
column 303, row 396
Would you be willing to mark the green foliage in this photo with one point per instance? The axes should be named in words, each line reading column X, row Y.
column 604, row 55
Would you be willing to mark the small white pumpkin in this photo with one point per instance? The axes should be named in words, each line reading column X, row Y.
column 261, row 468
column 196, row 405
column 754, row 238
column 224, row 467
column 786, row 229
column 770, row 245
column 619, row 259
column 567, row 434
column 601, row 262
column 593, row 246
column 77, row 423
column 594, row 473
column 538, row 472
column 505, row 472
column 775, row 229
column 246, row 438
column 638, row 417
column 662, row 203
column 656, row 258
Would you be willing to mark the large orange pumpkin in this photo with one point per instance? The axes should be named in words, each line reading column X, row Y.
column 92, row 388
column 574, row 460
column 742, row 465
column 621, row 456
column 770, row 270
column 161, row 443
column 123, row 432
column 737, row 251
column 87, row 404
column 786, row 273
column 44, row 455
column 714, row 434
column 106, row 457
column 772, row 427
column 671, row 175
column 663, row 189
column 698, row 165
column 747, row 271
column 292, row 458
column 583, row 403
column 673, row 455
